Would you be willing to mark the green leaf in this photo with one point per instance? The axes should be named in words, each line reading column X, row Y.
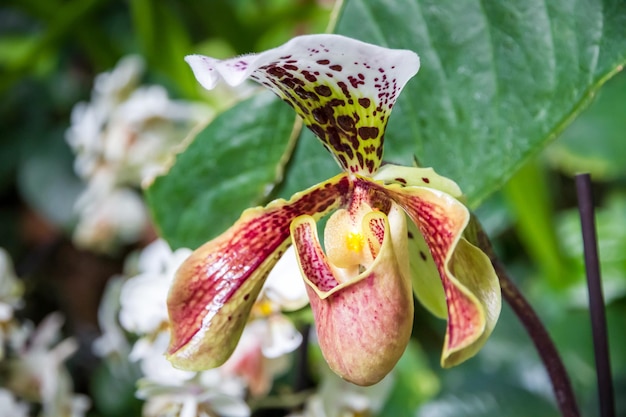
column 595, row 142
column 415, row 383
column 46, row 181
column 506, row 378
column 498, row 79
column 66, row 22
column 165, row 41
column 309, row 164
column 231, row 165
column 113, row 388
column 530, row 203
column 498, row 82
column 501, row 400
column 611, row 232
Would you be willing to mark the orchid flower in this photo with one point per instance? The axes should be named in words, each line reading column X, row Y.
column 360, row 288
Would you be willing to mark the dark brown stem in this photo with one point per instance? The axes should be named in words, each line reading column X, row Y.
column 543, row 343
column 550, row 357
column 596, row 298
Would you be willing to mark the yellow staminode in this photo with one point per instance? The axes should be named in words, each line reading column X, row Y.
column 263, row 307
column 354, row 242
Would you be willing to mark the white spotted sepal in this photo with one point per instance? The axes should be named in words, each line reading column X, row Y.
column 360, row 291
column 344, row 89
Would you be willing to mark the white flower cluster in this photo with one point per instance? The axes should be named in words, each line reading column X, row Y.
column 33, row 362
column 138, row 303
column 125, row 136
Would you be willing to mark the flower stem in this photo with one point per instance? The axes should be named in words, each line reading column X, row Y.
column 596, row 298
column 548, row 353
column 545, row 347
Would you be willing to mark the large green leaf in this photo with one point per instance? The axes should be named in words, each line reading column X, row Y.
column 499, row 80
column 231, row 164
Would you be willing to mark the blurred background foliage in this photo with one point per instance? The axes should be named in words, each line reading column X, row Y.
column 50, row 52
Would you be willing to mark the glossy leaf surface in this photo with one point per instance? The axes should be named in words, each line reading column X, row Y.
column 498, row 81
column 231, row 165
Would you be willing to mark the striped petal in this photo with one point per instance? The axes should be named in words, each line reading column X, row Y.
column 363, row 321
column 215, row 288
column 470, row 285
column 425, row 277
column 344, row 89
column 427, row 285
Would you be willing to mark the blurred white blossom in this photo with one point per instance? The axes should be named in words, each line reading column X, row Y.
column 34, row 365
column 89, row 120
column 284, row 286
column 170, row 391
column 208, row 393
column 108, row 218
column 155, row 368
column 143, row 311
column 260, row 355
column 112, row 341
column 36, row 370
column 10, row 289
column 143, row 296
column 10, row 406
column 146, row 131
column 125, row 136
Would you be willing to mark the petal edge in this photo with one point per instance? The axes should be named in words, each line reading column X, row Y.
column 213, row 292
column 470, row 296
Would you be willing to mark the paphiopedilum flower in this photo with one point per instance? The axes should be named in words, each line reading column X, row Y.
column 360, row 289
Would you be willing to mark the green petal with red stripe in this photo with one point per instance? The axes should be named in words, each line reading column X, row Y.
column 344, row 89
column 213, row 291
column 425, row 276
column 471, row 287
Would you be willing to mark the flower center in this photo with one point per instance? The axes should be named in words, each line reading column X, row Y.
column 346, row 242
column 354, row 242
